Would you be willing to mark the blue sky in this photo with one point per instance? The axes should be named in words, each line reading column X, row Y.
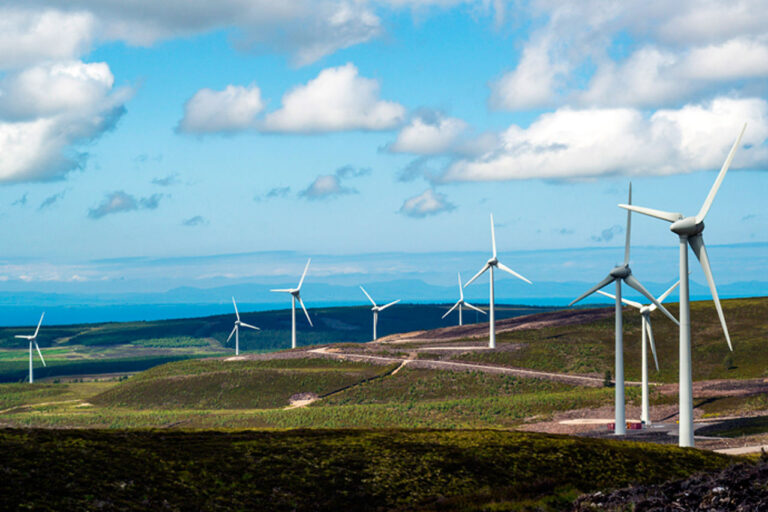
column 339, row 127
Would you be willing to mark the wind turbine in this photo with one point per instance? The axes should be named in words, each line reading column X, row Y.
column 236, row 329
column 647, row 337
column 461, row 302
column 376, row 310
column 618, row 274
column 689, row 230
column 296, row 296
column 33, row 339
column 490, row 265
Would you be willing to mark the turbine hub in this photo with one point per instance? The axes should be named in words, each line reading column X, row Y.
column 493, row 261
column 645, row 310
column 687, row 227
column 621, row 272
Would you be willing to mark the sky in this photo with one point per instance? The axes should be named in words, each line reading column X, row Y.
column 135, row 131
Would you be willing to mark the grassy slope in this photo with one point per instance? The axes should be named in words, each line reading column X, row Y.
column 588, row 348
column 323, row 470
column 218, row 384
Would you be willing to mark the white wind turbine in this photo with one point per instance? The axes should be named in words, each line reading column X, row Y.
column 296, row 295
column 618, row 274
column 689, row 230
column 236, row 329
column 461, row 303
column 376, row 309
column 647, row 337
column 33, row 340
column 490, row 265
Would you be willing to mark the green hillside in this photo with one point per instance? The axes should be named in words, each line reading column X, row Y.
column 589, row 348
column 324, row 470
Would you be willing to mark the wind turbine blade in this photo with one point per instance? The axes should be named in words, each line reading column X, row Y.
column 304, row 274
column 697, row 244
column 38, row 325
column 719, row 180
column 602, row 284
column 382, row 308
column 369, row 297
column 634, row 283
column 650, row 340
column 629, row 227
column 231, row 334
column 510, row 271
column 23, row 336
column 282, row 290
column 493, row 237
column 461, row 288
column 659, row 214
column 486, row 267
column 625, row 301
column 664, row 295
column 40, row 353
column 236, row 312
column 305, row 311
column 470, row 306
column 452, row 308
column 249, row 326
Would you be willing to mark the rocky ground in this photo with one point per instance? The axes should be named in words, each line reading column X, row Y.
column 741, row 487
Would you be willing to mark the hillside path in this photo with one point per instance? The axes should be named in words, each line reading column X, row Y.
column 580, row 380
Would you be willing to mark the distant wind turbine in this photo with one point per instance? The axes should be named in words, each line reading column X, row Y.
column 490, row 265
column 647, row 337
column 236, row 329
column 618, row 274
column 376, row 309
column 689, row 230
column 296, row 295
column 461, row 303
column 33, row 340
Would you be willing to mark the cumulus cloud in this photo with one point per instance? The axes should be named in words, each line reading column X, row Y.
column 197, row 220
column 51, row 200
column 568, row 143
column 429, row 133
column 231, row 110
column 120, row 201
column 47, row 111
column 338, row 99
column 327, row 186
column 425, row 204
column 531, row 84
column 32, row 36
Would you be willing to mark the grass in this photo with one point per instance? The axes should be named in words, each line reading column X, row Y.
column 219, row 384
column 324, row 470
column 588, row 348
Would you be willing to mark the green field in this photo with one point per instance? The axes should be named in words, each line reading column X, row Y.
column 324, row 470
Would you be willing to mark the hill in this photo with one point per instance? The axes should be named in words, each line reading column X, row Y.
column 324, row 470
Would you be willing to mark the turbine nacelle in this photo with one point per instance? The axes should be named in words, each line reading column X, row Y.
column 688, row 226
column 493, row 262
column 621, row 272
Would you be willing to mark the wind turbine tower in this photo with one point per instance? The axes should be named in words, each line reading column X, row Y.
column 376, row 309
column 618, row 274
column 236, row 329
column 461, row 303
column 33, row 340
column 689, row 231
column 492, row 264
column 296, row 296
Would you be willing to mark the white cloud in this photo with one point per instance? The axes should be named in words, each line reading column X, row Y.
column 425, row 204
column 49, row 110
column 325, row 186
column 119, row 201
column 30, row 36
column 531, row 84
column 429, row 135
column 573, row 144
column 337, row 100
column 233, row 109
